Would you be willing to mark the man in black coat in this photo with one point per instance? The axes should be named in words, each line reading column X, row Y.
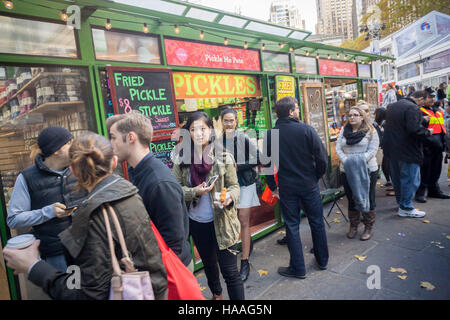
column 302, row 162
column 163, row 197
column 402, row 144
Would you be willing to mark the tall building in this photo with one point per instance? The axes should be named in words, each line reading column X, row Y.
column 337, row 18
column 285, row 13
column 363, row 7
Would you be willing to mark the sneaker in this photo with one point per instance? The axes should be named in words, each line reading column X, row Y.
column 414, row 213
column 285, row 272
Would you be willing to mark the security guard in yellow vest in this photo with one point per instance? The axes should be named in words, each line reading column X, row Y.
column 433, row 149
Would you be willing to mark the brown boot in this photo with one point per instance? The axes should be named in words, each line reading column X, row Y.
column 368, row 220
column 354, row 218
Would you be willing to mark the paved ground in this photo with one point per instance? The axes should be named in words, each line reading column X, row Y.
column 422, row 249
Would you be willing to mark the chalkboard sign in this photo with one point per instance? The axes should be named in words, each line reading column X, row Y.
column 161, row 147
column 146, row 90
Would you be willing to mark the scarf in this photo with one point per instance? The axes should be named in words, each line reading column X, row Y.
column 353, row 137
column 199, row 172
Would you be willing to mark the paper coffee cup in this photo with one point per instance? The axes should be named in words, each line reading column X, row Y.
column 21, row 242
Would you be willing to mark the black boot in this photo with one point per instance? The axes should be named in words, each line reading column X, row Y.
column 245, row 269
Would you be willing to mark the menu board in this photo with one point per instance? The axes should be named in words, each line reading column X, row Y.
column 146, row 90
column 313, row 109
column 161, row 147
column 285, row 86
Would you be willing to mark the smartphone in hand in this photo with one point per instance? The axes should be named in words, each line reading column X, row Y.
column 211, row 181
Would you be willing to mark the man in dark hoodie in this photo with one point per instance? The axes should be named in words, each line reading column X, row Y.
column 163, row 197
column 303, row 161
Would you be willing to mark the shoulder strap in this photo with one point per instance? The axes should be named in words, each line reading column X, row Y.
column 129, row 266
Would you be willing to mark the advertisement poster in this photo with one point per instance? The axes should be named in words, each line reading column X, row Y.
column 285, row 87
column 191, row 54
column 337, row 68
column 276, row 62
column 120, row 46
column 201, row 85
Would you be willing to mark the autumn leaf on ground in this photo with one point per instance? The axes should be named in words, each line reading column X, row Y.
column 336, row 220
column 263, row 272
column 202, row 288
column 448, row 237
column 338, row 212
column 426, row 221
column 440, row 247
column 360, row 258
column 401, row 270
column 427, row 285
column 200, row 275
column 281, row 232
column 402, row 277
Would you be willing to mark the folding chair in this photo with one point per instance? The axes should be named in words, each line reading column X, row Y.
column 331, row 192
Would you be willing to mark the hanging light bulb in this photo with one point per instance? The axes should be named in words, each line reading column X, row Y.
column 354, row 60
column 291, row 49
column 9, row 4
column 263, row 47
column 281, row 45
column 370, row 62
column 176, row 29
column 317, row 55
column 145, row 28
column 225, row 41
column 329, row 57
column 345, row 56
column 307, row 53
column 202, row 34
column 245, row 45
column 64, row 16
column 337, row 55
column 363, row 62
column 108, row 25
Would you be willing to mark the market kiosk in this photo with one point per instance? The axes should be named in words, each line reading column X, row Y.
column 186, row 57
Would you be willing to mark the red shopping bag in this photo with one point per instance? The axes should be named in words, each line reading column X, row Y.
column 182, row 284
column 267, row 194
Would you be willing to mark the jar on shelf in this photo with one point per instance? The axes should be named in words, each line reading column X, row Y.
column 23, row 76
column 45, row 90
column 11, row 88
column 26, row 101
column 15, row 108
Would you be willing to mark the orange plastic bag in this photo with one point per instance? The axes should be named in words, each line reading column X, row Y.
column 267, row 194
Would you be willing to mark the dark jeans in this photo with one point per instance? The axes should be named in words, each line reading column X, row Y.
column 205, row 240
column 310, row 201
column 430, row 171
column 372, row 189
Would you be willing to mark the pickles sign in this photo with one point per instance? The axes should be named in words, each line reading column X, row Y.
column 146, row 90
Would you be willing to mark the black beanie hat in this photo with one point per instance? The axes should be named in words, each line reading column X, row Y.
column 51, row 139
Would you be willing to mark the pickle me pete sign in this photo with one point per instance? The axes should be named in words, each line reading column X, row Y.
column 146, row 90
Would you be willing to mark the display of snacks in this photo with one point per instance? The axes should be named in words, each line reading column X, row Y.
column 3, row 95
column 26, row 101
column 23, row 76
column 45, row 91
column 11, row 88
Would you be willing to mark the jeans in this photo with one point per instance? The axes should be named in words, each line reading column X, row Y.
column 58, row 262
column 310, row 201
column 349, row 194
column 205, row 240
column 406, row 180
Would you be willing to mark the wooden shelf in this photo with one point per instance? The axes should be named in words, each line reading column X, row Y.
column 30, row 84
column 46, row 108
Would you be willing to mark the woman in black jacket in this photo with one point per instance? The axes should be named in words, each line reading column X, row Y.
column 86, row 241
column 246, row 155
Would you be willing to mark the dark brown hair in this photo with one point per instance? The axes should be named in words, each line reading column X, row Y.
column 90, row 157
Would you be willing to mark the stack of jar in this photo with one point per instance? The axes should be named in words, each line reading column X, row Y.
column 26, row 101
column 11, row 88
column 3, row 97
column 67, row 88
column 23, row 76
column 45, row 90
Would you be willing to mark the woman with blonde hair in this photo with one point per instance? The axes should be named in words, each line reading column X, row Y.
column 358, row 141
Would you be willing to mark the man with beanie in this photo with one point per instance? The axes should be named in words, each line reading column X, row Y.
column 42, row 193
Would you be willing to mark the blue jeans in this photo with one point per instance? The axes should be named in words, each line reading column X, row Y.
column 406, row 180
column 311, row 203
column 58, row 262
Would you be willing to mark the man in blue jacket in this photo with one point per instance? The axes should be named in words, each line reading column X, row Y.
column 303, row 161
column 163, row 197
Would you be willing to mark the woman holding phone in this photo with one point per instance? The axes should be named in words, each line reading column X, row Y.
column 213, row 223
column 246, row 155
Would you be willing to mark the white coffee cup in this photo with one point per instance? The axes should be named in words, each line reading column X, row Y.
column 21, row 242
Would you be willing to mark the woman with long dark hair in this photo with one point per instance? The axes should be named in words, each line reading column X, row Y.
column 213, row 220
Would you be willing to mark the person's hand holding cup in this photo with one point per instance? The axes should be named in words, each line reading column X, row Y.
column 21, row 253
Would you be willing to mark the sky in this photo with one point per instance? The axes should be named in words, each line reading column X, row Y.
column 260, row 9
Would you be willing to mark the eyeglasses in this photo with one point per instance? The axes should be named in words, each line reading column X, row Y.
column 353, row 115
column 228, row 121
